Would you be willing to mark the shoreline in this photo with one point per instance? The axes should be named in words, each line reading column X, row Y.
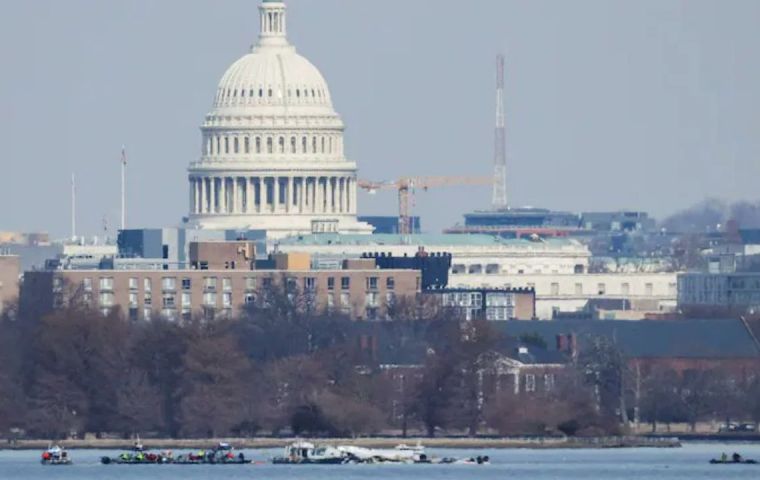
column 371, row 442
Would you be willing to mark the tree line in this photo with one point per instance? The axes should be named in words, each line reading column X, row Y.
column 281, row 370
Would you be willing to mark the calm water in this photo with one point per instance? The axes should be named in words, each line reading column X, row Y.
column 689, row 462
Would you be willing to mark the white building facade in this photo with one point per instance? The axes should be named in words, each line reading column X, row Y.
column 272, row 146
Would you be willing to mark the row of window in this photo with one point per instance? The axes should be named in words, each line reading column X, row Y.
column 496, row 269
column 231, row 145
column 211, row 284
column 269, row 93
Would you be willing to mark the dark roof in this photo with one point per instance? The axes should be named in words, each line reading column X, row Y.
column 750, row 236
column 707, row 339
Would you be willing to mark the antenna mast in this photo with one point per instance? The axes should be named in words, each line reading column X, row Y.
column 123, row 187
column 499, row 199
column 73, row 207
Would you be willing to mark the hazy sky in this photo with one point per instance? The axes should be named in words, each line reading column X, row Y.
column 650, row 105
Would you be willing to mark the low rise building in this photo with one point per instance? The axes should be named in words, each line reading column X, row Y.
column 711, row 294
column 487, row 303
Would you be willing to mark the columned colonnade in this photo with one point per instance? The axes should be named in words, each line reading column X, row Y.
column 272, row 194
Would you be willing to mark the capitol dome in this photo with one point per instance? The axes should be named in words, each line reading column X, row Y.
column 272, row 146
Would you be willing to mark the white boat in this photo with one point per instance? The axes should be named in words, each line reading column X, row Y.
column 400, row 453
column 56, row 456
column 302, row 452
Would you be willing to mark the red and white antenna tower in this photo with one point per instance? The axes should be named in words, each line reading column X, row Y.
column 499, row 199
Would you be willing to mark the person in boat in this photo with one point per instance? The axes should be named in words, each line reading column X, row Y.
column 723, row 457
column 736, row 457
column 46, row 456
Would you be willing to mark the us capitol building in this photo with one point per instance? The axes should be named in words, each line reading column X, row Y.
column 272, row 150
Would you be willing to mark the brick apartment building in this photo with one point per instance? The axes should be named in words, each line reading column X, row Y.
column 225, row 279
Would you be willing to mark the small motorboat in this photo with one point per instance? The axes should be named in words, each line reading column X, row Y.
column 55, row 456
column 306, row 453
column 734, row 459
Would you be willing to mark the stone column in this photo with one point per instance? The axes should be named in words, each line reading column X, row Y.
column 288, row 193
column 204, row 196
column 212, row 191
column 276, row 195
column 248, row 194
column 302, row 196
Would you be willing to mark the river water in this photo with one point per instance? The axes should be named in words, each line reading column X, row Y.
column 689, row 462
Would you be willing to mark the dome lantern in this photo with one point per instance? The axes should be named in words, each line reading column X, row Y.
column 273, row 27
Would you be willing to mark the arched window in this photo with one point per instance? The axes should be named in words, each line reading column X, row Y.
column 247, row 144
column 236, row 143
column 292, row 144
column 270, row 93
column 269, row 145
column 312, row 93
column 261, row 92
column 281, row 144
column 303, row 144
column 298, row 92
column 305, row 93
column 242, row 93
column 227, row 145
column 217, row 145
column 234, row 93
column 323, row 144
column 314, row 145
column 258, row 144
column 250, row 94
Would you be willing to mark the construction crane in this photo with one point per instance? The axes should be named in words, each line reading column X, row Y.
column 406, row 187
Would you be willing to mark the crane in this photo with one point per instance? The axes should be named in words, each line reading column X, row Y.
column 405, row 187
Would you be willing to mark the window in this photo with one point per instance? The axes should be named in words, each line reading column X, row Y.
column 309, row 284
column 169, row 301
column 672, row 289
column 372, row 299
column 247, row 144
column 579, row 289
column 331, row 283
column 601, row 289
column 475, row 269
column 106, row 299
column 169, row 284
column 227, row 300
column 371, row 283
column 530, row 382
column 227, row 284
column 106, row 284
column 187, row 284
column 458, row 269
column 236, row 144
column 186, row 300
column 133, row 284
column 209, row 283
column 249, row 298
column 292, row 144
column 269, row 145
column 281, row 145
column 209, row 299
column 548, row 382
column 258, row 144
column 390, row 299
column 492, row 269
column 649, row 289
column 390, row 283
column 625, row 289
column 147, row 284
column 250, row 283
column 147, row 312
column 226, row 144
column 303, row 144
column 323, row 144
column 148, row 298
column 555, row 289
column 345, row 283
column 132, row 300
column 313, row 144
column 87, row 284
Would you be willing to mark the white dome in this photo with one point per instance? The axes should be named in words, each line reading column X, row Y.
column 273, row 77
column 272, row 153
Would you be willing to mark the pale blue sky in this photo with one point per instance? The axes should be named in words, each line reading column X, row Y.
column 650, row 104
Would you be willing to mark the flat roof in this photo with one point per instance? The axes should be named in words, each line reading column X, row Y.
column 425, row 239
